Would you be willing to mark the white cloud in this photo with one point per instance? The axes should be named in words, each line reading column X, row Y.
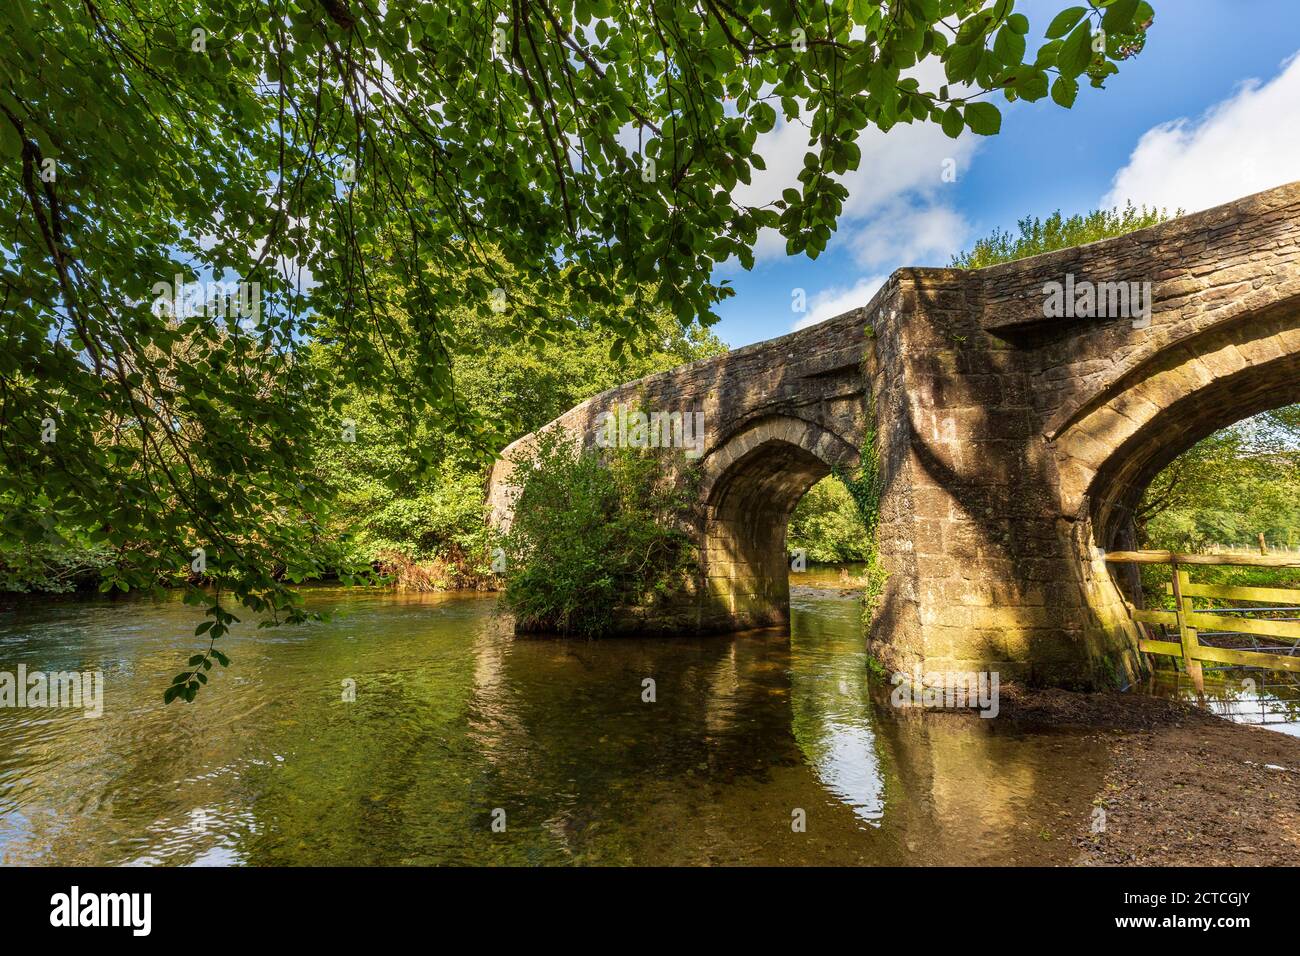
column 837, row 300
column 908, row 232
column 1244, row 144
column 898, row 188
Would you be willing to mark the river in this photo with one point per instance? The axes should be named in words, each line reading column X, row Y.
column 467, row 745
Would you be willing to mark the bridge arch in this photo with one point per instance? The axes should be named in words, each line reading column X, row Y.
column 1162, row 408
column 1011, row 445
column 1155, row 412
column 749, row 488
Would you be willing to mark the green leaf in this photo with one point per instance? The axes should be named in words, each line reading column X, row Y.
column 1009, row 46
column 961, row 61
column 1076, row 51
column 10, row 142
column 1064, row 22
column 1064, row 91
column 1118, row 17
column 952, row 122
column 983, row 118
column 1033, row 85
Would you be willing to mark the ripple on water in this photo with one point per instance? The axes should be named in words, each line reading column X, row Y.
column 455, row 721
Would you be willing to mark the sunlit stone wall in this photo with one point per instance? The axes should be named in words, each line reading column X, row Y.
column 1012, row 441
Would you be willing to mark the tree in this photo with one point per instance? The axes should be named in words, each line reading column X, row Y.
column 410, row 490
column 1229, row 488
column 344, row 160
column 827, row 525
column 1038, row 236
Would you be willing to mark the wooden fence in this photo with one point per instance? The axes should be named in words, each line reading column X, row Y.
column 1190, row 624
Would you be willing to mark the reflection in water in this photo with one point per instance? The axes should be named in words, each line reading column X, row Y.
column 1241, row 694
column 455, row 718
column 831, row 703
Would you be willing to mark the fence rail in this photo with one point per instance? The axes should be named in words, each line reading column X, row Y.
column 1191, row 624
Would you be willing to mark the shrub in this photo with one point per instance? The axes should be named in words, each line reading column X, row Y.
column 592, row 535
column 53, row 569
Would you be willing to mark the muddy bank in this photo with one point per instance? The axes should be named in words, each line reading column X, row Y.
column 1183, row 787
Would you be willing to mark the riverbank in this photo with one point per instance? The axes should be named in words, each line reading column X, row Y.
column 1183, row 787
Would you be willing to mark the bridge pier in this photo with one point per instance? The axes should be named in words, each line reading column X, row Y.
column 986, row 572
column 1011, row 443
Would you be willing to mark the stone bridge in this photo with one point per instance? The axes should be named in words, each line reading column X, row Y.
column 1011, row 434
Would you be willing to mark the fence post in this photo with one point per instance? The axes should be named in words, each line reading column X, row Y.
column 1186, row 631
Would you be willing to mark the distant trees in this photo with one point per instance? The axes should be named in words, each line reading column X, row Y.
column 1035, row 236
column 828, row 526
column 1229, row 488
column 408, row 489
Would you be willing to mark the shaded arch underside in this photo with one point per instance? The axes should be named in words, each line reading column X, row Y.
column 752, row 487
column 1192, row 390
column 1196, row 389
column 1120, row 487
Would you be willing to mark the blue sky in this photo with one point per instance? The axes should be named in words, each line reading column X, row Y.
column 1208, row 112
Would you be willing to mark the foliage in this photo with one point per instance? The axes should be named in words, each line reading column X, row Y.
column 52, row 567
column 590, row 537
column 1225, row 491
column 1038, row 236
column 410, row 491
column 827, row 525
column 837, row 520
column 1229, row 488
column 866, row 487
column 369, row 167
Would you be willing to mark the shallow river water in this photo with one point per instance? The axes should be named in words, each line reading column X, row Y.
column 457, row 724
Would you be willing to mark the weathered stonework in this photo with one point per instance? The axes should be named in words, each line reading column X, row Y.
column 1012, row 447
